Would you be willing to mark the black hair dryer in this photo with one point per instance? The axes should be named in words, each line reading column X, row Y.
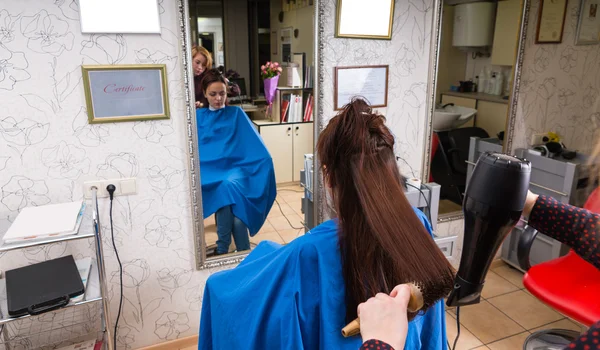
column 492, row 206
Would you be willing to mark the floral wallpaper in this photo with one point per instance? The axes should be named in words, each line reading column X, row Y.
column 48, row 149
column 407, row 54
column 560, row 87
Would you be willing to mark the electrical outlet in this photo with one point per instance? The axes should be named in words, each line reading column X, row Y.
column 124, row 187
column 538, row 139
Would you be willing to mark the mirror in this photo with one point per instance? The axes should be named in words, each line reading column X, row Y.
column 252, row 131
column 473, row 90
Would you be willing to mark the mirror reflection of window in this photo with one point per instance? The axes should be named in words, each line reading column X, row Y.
column 472, row 97
column 260, row 130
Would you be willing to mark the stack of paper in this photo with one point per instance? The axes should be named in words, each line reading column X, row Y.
column 46, row 221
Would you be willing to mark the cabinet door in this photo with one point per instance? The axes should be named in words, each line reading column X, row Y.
column 278, row 139
column 491, row 117
column 463, row 102
column 303, row 144
column 508, row 16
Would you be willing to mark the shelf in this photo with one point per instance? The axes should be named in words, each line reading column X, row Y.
column 92, row 294
column 288, row 88
column 86, row 230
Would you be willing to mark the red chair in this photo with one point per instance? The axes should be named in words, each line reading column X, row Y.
column 569, row 284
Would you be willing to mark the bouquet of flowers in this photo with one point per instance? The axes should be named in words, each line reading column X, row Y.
column 270, row 73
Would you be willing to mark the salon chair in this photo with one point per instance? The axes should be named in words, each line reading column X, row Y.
column 568, row 284
column 448, row 160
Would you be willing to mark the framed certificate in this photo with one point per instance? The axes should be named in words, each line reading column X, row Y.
column 551, row 21
column 123, row 93
column 364, row 19
column 368, row 82
column 588, row 26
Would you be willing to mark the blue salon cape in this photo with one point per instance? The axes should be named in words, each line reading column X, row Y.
column 236, row 167
column 292, row 297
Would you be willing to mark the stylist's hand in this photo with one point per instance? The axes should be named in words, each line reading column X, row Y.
column 198, row 104
column 529, row 203
column 384, row 317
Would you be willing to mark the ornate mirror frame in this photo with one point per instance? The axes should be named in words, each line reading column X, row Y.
column 432, row 86
column 192, row 138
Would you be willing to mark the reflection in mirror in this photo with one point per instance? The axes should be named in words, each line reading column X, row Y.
column 477, row 56
column 253, row 65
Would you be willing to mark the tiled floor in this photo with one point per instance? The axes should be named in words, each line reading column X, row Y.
column 506, row 316
column 284, row 222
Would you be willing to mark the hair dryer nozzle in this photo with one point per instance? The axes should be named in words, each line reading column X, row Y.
column 493, row 204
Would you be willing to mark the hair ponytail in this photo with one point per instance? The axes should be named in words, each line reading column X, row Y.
column 382, row 241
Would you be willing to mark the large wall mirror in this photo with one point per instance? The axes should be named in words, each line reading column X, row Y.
column 476, row 68
column 250, row 156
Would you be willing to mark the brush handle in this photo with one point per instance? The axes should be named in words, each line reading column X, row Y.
column 415, row 303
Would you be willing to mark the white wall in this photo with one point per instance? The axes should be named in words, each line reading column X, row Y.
column 301, row 19
column 48, row 149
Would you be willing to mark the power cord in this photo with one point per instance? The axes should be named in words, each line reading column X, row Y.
column 285, row 216
column 111, row 191
column 424, row 197
column 457, row 328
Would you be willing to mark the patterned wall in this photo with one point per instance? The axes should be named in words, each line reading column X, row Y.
column 560, row 87
column 48, row 149
column 407, row 54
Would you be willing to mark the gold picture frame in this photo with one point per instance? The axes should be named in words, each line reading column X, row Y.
column 125, row 93
column 360, row 19
column 551, row 21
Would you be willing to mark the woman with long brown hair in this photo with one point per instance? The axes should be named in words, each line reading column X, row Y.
column 301, row 295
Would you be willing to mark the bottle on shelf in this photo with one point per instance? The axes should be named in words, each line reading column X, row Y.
column 482, row 82
column 498, row 89
column 491, row 84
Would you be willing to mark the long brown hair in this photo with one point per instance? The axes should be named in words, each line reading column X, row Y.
column 382, row 241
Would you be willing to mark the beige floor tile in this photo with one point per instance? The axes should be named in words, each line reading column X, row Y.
column 487, row 323
column 281, row 223
column 562, row 324
column 481, row 348
column 513, row 275
column 496, row 285
column 266, row 228
column 466, row 340
column 270, row 236
column 190, row 348
column 209, row 220
column 525, row 309
column 512, row 343
column 290, row 235
column 290, row 196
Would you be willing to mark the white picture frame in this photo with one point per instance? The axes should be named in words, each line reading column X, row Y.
column 364, row 19
column 368, row 82
column 119, row 16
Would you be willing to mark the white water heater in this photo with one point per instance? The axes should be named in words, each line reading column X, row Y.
column 474, row 25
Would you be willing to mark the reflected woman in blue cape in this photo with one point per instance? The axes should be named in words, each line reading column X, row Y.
column 237, row 174
column 301, row 295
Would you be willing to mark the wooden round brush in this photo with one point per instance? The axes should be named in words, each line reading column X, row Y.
column 415, row 303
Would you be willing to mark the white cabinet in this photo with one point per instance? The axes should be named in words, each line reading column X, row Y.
column 508, row 18
column 287, row 143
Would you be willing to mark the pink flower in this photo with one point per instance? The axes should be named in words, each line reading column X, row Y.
column 276, row 64
column 279, row 69
column 268, row 63
column 263, row 67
